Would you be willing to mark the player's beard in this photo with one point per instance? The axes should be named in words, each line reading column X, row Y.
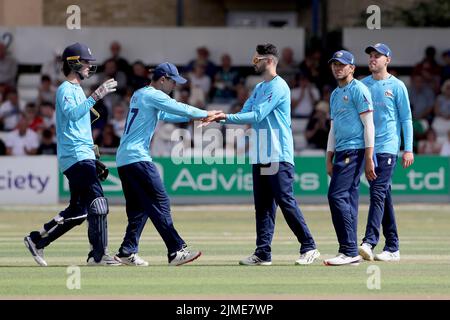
column 375, row 68
column 261, row 69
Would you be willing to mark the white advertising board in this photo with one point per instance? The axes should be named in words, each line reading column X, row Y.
column 28, row 180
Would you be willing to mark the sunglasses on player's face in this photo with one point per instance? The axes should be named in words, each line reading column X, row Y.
column 258, row 59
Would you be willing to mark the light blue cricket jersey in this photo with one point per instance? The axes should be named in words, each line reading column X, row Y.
column 391, row 113
column 147, row 106
column 346, row 105
column 268, row 110
column 73, row 125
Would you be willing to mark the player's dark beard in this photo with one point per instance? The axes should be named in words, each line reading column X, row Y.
column 260, row 70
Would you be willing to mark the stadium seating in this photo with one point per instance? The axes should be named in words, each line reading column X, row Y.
column 28, row 86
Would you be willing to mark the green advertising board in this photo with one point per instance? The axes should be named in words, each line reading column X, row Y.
column 429, row 175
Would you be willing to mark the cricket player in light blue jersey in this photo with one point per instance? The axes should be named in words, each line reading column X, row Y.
column 268, row 111
column 392, row 115
column 144, row 191
column 77, row 160
column 350, row 143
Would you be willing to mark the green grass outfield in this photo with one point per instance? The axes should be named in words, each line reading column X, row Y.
column 226, row 234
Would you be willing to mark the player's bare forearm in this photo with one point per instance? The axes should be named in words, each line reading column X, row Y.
column 329, row 162
column 370, row 166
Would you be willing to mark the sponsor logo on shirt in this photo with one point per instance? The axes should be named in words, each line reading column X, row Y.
column 389, row 93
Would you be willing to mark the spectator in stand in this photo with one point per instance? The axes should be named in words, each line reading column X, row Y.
column 200, row 85
column 10, row 111
column 422, row 97
column 2, row 148
column 314, row 68
column 418, row 133
column 47, row 112
column 288, row 67
column 445, row 71
column 127, row 97
column 8, row 67
column 111, row 71
column 121, row 63
column 183, row 94
column 318, row 126
column 430, row 145
column 108, row 142
column 428, row 63
column 242, row 95
column 226, row 80
column 326, row 94
column 35, row 121
column 239, row 145
column 303, row 97
column 4, row 88
column 431, row 78
column 53, row 68
column 47, row 91
column 445, row 150
column 22, row 141
column 139, row 76
column 119, row 119
column 442, row 107
column 48, row 145
column 203, row 58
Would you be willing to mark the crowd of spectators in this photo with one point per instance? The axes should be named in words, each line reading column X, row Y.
column 28, row 128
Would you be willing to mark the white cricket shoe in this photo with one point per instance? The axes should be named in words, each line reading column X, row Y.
column 308, row 257
column 183, row 256
column 38, row 254
column 365, row 251
column 388, row 256
column 105, row 261
column 254, row 260
column 131, row 260
column 342, row 260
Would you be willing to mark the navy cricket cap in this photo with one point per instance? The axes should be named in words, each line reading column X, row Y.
column 343, row 57
column 77, row 51
column 380, row 48
column 169, row 70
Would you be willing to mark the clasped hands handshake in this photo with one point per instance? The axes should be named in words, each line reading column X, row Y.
column 213, row 115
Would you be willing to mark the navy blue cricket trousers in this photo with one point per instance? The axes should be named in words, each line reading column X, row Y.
column 146, row 197
column 381, row 209
column 84, row 187
column 343, row 198
column 270, row 190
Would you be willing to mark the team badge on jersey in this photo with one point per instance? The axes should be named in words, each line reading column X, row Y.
column 345, row 98
column 389, row 93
